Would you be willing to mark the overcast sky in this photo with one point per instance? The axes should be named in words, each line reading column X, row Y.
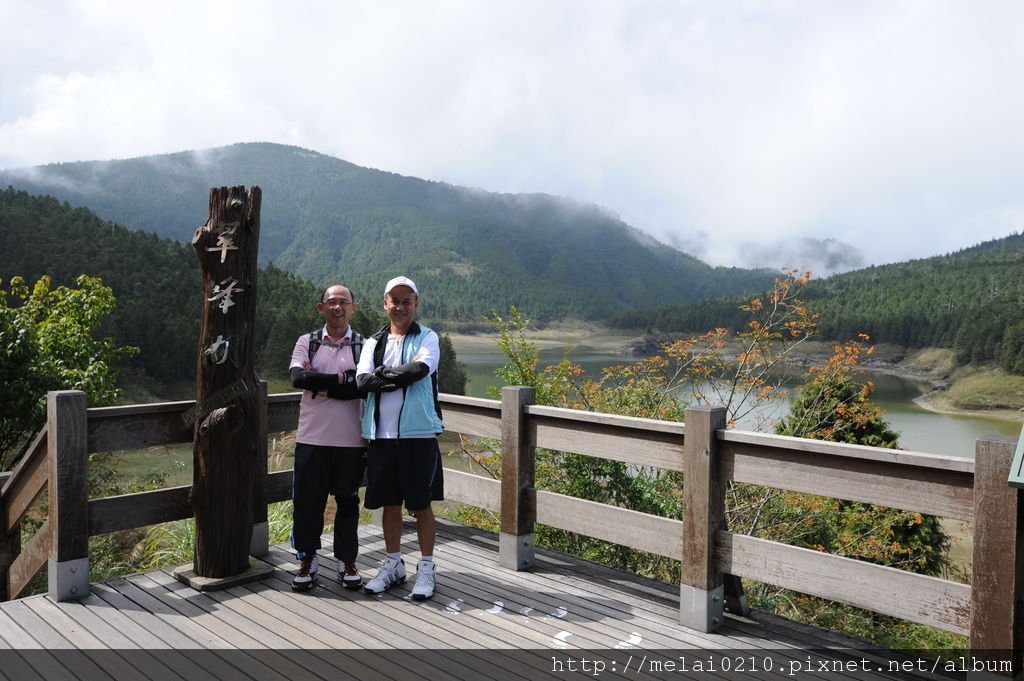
column 895, row 127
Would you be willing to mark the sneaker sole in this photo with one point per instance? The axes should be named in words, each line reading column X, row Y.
column 352, row 584
column 421, row 597
column 303, row 587
column 374, row 593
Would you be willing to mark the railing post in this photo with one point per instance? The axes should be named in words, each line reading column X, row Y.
column 518, row 495
column 10, row 544
column 997, row 571
column 701, row 589
column 259, row 545
column 68, row 567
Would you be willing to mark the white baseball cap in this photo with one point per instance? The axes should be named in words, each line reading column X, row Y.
column 401, row 281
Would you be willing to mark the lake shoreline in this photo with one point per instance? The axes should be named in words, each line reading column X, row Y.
column 938, row 402
column 932, row 367
column 544, row 339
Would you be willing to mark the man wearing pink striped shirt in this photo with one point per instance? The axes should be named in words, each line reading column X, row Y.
column 330, row 452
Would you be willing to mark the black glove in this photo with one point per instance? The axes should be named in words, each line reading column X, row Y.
column 337, row 386
column 405, row 374
column 307, row 379
column 347, row 387
column 375, row 383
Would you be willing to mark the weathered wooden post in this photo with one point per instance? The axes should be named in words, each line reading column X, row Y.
column 702, row 588
column 68, row 565
column 518, row 495
column 227, row 412
column 10, row 540
column 997, row 569
column 260, row 543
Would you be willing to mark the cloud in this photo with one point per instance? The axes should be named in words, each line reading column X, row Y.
column 890, row 126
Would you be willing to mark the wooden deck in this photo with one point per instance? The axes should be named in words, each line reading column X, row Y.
column 546, row 623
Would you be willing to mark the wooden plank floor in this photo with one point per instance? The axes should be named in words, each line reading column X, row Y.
column 565, row 612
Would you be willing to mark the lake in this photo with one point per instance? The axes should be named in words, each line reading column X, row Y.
column 920, row 430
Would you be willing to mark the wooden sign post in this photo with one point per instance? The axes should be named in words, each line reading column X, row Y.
column 226, row 415
column 1016, row 477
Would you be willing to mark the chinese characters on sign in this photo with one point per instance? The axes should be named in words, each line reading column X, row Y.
column 218, row 350
column 225, row 239
column 223, row 292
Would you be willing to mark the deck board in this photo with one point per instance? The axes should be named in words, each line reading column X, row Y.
column 463, row 599
column 396, row 628
column 660, row 606
column 604, row 616
column 429, row 625
column 154, row 622
column 322, row 602
column 474, row 590
column 195, row 635
column 56, row 618
column 593, row 621
column 15, row 668
column 266, row 631
column 201, row 609
column 14, row 635
column 41, row 666
column 35, row 626
column 103, row 629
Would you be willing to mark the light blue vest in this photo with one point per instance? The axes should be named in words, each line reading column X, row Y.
column 421, row 411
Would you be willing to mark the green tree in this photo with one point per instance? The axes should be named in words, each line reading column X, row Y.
column 47, row 342
column 608, row 482
column 743, row 372
column 451, row 373
column 968, row 301
column 835, row 405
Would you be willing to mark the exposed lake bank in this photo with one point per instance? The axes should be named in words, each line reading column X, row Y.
column 965, row 391
column 584, row 337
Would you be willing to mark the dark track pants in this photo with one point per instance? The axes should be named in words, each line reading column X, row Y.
column 320, row 471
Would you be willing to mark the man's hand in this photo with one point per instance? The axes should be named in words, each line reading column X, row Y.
column 405, row 374
column 375, row 382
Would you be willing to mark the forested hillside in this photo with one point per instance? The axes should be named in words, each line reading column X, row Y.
column 971, row 301
column 156, row 282
column 472, row 251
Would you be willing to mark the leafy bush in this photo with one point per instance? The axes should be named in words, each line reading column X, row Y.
column 48, row 342
column 743, row 372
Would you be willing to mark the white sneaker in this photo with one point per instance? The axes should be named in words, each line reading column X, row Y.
column 391, row 572
column 306, row 575
column 426, row 574
column 348, row 573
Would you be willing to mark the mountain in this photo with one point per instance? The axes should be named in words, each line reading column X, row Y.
column 470, row 251
column 157, row 285
column 971, row 300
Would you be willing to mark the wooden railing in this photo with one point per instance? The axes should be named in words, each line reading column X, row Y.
column 708, row 455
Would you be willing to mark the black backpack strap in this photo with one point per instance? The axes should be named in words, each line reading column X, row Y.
column 316, row 338
column 378, row 350
column 357, row 346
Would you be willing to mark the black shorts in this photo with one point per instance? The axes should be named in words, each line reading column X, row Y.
column 407, row 470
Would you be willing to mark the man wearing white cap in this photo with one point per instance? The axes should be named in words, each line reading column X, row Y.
column 401, row 422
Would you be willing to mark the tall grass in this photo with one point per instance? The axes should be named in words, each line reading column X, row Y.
column 174, row 543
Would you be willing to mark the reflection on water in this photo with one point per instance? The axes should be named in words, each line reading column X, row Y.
column 920, row 430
